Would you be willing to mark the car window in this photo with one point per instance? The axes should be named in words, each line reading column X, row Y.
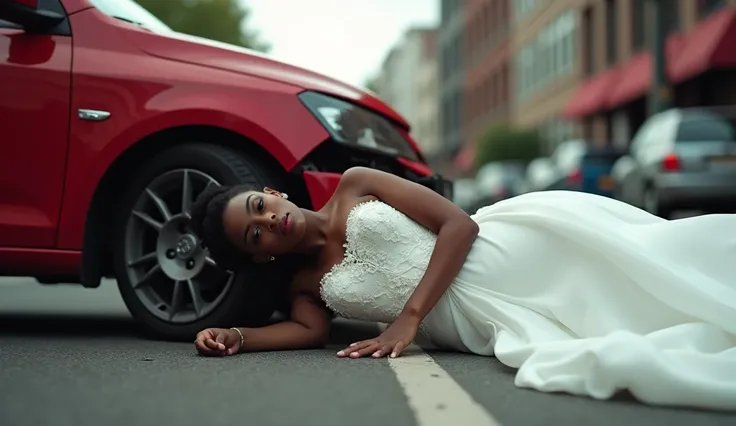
column 130, row 11
column 52, row 5
column 655, row 136
column 642, row 134
column 568, row 155
column 704, row 127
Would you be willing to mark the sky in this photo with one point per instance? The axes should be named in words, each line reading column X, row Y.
column 344, row 39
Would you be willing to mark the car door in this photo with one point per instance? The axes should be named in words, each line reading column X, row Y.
column 35, row 90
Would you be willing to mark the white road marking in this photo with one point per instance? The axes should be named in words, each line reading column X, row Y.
column 435, row 398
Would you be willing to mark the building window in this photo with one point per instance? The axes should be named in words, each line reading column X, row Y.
column 638, row 26
column 525, row 67
column 524, row 7
column 611, row 27
column 588, row 37
column 706, row 7
column 548, row 56
column 566, row 31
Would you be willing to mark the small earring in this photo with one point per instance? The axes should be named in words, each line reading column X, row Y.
column 284, row 195
column 272, row 258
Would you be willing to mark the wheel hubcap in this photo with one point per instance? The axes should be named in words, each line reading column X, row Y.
column 168, row 267
column 179, row 252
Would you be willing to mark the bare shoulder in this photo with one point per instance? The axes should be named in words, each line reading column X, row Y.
column 305, row 282
column 354, row 179
column 351, row 189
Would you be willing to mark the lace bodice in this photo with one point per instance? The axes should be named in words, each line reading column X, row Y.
column 386, row 254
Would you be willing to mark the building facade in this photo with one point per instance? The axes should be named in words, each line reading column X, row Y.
column 576, row 68
column 487, row 69
column 408, row 82
column 452, row 77
column 607, row 95
column 427, row 130
column 545, row 47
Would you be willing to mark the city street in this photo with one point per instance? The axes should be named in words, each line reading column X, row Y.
column 72, row 356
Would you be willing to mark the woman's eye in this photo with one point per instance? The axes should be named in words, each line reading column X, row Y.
column 260, row 205
column 256, row 235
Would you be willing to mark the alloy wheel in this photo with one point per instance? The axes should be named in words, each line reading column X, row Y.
column 167, row 264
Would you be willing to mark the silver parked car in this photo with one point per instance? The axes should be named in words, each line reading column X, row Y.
column 681, row 159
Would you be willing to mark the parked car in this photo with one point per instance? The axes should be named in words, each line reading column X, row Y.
column 540, row 174
column 465, row 193
column 566, row 160
column 681, row 159
column 596, row 167
column 497, row 181
column 112, row 124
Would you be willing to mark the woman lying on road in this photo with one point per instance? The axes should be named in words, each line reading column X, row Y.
column 580, row 293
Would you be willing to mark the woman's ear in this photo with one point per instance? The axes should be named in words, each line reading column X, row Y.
column 270, row 191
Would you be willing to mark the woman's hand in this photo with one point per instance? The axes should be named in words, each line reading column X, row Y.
column 392, row 341
column 217, row 342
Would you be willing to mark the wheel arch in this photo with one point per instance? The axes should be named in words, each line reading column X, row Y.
column 96, row 252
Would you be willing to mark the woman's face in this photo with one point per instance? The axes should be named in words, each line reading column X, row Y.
column 264, row 224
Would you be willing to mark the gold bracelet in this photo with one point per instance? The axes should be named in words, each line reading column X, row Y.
column 241, row 336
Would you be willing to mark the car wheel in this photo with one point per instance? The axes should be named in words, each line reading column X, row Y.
column 164, row 273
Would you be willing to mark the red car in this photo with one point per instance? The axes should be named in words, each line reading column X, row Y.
column 111, row 124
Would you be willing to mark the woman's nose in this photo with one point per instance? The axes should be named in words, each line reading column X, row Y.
column 272, row 221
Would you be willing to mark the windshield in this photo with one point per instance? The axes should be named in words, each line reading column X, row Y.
column 704, row 127
column 130, row 11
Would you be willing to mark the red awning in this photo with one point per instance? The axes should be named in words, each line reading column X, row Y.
column 712, row 44
column 636, row 76
column 592, row 95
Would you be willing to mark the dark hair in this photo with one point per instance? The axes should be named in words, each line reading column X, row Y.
column 207, row 222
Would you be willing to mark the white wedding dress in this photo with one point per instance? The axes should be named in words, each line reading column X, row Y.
column 580, row 293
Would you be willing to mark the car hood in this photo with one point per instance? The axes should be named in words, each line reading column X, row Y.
column 209, row 53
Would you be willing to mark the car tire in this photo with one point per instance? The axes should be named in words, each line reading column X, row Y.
column 151, row 287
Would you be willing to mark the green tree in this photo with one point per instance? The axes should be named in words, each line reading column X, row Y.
column 220, row 20
column 502, row 142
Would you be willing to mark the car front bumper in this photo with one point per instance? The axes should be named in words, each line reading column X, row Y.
column 321, row 186
column 696, row 190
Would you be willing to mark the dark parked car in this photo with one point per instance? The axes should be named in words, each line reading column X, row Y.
column 595, row 171
column 578, row 165
column 681, row 159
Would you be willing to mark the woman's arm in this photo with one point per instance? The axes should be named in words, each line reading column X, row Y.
column 308, row 328
column 455, row 230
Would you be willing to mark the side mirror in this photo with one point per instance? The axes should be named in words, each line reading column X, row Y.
column 26, row 14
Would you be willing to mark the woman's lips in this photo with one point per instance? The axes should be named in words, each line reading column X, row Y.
column 285, row 224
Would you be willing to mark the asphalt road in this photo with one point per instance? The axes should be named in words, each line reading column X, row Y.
column 72, row 356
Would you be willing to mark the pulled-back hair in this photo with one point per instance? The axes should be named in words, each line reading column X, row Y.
column 207, row 221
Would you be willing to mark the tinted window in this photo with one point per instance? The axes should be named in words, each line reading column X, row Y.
column 704, row 127
column 52, row 5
